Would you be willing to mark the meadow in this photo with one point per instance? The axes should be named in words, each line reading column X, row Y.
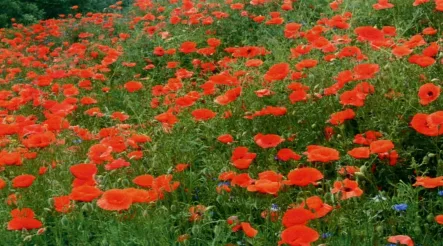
column 224, row 122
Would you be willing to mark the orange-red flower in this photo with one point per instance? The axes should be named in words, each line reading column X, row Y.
column 268, row 140
column 428, row 93
column 62, row 204
column 348, row 189
column 277, row 72
column 360, row 153
column 145, row 180
column 85, row 193
column 297, row 216
column 287, row 154
column 248, row 229
column 133, row 86
column 381, row 146
column 225, row 138
column 115, row 200
column 428, row 182
column 321, row 154
column 401, row 239
column 23, row 181
column 304, row 176
column 203, row 114
column 23, row 219
column 299, row 235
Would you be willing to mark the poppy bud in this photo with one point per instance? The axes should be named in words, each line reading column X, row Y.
column 363, row 169
column 417, row 230
column 360, row 174
column 430, row 155
column 379, row 229
column 430, row 218
column 64, row 221
column 27, row 238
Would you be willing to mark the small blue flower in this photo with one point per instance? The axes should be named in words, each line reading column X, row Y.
column 224, row 183
column 440, row 192
column 274, row 208
column 326, row 235
column 77, row 141
column 400, row 207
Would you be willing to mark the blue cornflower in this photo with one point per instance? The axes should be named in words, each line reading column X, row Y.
column 77, row 141
column 440, row 193
column 274, row 207
column 400, row 207
column 224, row 183
column 326, row 235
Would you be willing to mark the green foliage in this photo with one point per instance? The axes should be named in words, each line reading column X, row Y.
column 23, row 11
column 28, row 12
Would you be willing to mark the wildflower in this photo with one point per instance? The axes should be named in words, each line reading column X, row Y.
column 400, row 207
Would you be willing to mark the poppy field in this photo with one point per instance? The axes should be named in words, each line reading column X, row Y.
column 224, row 122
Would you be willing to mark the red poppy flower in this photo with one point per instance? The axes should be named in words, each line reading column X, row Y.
column 428, row 93
column 115, row 200
column 188, row 47
column 297, row 216
column 288, row 154
column 62, row 204
column 23, row 219
column 319, row 208
column 381, row 146
column 268, row 140
column 23, row 181
column 368, row 33
column 360, row 153
column 348, row 170
column 242, row 163
column 181, row 167
column 225, row 138
column 401, row 239
column 299, row 235
column 304, row 176
column 83, row 171
column 340, row 117
column 382, row 4
column 133, row 86
column 2, row 183
column 428, row 182
column 203, row 114
column 321, row 154
column 439, row 219
column 248, row 229
column 116, row 164
column 265, row 186
column 145, row 180
column 277, row 72
column 348, row 189
column 422, row 61
column 242, row 180
column 422, row 123
column 85, row 193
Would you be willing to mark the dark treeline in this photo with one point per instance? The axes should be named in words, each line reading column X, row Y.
column 30, row 11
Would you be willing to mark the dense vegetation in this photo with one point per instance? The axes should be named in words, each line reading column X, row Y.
column 28, row 12
column 192, row 122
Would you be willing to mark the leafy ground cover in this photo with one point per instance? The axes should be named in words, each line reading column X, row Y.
column 230, row 122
